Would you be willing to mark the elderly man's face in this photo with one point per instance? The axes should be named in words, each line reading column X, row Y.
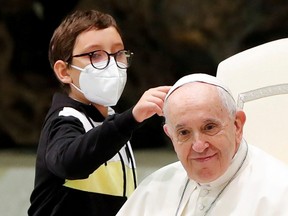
column 204, row 135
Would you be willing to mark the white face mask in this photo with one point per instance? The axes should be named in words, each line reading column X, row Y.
column 104, row 86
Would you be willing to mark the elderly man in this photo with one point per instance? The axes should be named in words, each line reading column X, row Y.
column 219, row 174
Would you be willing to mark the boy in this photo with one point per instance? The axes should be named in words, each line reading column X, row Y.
column 85, row 165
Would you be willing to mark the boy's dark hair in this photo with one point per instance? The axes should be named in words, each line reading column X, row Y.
column 63, row 40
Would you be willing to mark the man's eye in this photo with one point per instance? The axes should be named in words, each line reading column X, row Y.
column 211, row 129
column 183, row 135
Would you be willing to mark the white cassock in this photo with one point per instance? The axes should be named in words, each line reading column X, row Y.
column 256, row 184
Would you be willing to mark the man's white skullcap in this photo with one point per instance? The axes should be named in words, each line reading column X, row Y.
column 198, row 77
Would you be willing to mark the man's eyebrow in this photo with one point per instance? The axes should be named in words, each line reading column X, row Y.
column 179, row 126
column 211, row 120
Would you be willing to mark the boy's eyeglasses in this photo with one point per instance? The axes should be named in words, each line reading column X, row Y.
column 100, row 59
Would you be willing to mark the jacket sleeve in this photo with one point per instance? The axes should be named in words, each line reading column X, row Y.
column 73, row 154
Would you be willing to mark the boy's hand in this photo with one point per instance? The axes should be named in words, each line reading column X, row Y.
column 150, row 103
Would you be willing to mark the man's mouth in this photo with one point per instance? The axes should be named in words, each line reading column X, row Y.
column 204, row 158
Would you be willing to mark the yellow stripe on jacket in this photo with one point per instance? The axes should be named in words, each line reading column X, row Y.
column 107, row 179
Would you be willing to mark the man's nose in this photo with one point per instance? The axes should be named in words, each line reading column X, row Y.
column 199, row 143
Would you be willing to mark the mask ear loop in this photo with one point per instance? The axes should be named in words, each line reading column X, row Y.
column 78, row 89
column 77, row 68
column 80, row 69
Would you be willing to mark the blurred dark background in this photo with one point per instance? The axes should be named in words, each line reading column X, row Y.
column 169, row 38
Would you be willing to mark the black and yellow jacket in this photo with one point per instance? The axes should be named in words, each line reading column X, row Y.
column 85, row 165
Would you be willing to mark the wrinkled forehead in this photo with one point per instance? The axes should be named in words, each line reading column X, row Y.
column 198, row 77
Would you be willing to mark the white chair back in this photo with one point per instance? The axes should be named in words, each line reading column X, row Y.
column 258, row 79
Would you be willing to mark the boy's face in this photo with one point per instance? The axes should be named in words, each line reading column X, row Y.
column 107, row 39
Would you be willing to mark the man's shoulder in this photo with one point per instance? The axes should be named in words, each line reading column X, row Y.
column 267, row 163
column 170, row 172
column 264, row 156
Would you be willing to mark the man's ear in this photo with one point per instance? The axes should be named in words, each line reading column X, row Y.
column 166, row 130
column 169, row 134
column 62, row 72
column 239, row 123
